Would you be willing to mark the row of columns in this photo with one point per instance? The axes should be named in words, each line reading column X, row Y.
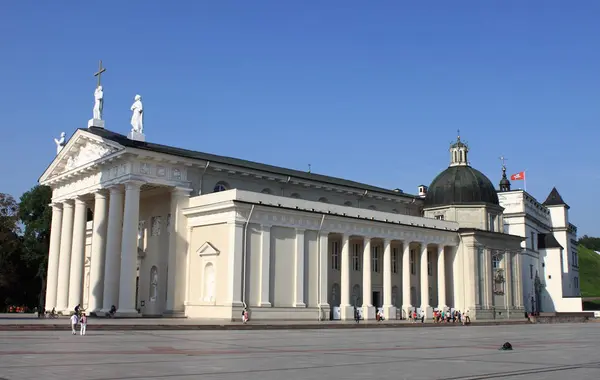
column 113, row 267
column 389, row 309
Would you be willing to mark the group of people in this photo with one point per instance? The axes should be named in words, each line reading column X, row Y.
column 80, row 318
column 449, row 316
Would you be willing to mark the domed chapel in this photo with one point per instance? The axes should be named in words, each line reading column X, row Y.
column 155, row 230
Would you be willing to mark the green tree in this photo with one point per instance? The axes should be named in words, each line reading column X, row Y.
column 590, row 242
column 35, row 214
column 10, row 251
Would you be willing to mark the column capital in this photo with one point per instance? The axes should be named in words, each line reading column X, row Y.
column 68, row 203
column 300, row 230
column 441, row 248
column 116, row 189
column 133, row 184
column 100, row 194
column 56, row 205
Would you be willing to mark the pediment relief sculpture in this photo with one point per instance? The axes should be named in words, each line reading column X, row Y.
column 86, row 154
column 207, row 249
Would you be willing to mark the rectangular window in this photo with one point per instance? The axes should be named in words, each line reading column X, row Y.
column 335, row 255
column 533, row 241
column 356, row 254
column 429, row 268
column 413, row 255
column 496, row 258
column 394, row 260
column 375, row 255
column 492, row 222
column 439, row 217
column 576, row 281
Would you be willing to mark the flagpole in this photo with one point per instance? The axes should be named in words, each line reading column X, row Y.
column 525, row 180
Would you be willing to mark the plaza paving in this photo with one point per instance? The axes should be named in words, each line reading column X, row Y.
column 561, row 351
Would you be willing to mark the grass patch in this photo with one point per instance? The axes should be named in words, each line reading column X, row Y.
column 589, row 272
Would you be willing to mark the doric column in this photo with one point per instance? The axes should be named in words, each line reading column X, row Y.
column 265, row 266
column 98, row 251
column 129, row 245
column 64, row 265
column 425, row 307
column 112, row 266
column 508, row 280
column 389, row 310
column 235, row 265
column 53, row 256
column 368, row 311
column 518, row 280
column 441, row 272
column 179, row 198
column 324, row 270
column 299, row 269
column 345, row 307
column 406, row 305
column 77, row 254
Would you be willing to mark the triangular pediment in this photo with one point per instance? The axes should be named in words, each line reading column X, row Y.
column 82, row 149
column 207, row 249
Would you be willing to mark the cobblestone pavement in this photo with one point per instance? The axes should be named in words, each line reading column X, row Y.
column 561, row 351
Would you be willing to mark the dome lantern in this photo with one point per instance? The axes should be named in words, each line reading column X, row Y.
column 458, row 153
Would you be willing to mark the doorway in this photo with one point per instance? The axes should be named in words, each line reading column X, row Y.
column 377, row 299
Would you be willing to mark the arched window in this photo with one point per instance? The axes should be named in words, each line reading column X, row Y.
column 295, row 195
column 221, row 186
column 209, row 283
column 153, row 283
column 323, row 199
column 266, row 191
column 348, row 203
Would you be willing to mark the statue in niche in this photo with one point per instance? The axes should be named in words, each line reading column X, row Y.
column 60, row 143
column 153, row 284
column 209, row 283
column 499, row 282
column 156, row 222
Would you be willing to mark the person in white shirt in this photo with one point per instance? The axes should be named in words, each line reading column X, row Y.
column 74, row 321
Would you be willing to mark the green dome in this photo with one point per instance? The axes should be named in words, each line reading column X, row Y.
column 460, row 185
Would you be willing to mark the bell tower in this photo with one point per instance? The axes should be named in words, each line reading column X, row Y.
column 458, row 153
column 504, row 182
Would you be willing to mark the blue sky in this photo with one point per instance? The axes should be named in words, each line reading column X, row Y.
column 369, row 91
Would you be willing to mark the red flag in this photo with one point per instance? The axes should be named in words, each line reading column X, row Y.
column 520, row 176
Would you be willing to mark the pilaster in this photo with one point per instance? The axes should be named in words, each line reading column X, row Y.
column 235, row 264
column 64, row 265
column 177, row 252
column 299, row 270
column 53, row 256
column 508, row 280
column 265, row 266
column 488, row 276
column 99, row 228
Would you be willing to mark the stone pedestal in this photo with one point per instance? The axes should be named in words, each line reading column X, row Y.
column 368, row 312
column 389, row 312
column 347, row 312
column 96, row 123
column 136, row 136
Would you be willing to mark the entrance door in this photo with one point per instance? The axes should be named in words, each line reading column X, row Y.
column 377, row 299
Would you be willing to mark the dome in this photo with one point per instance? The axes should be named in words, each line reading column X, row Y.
column 460, row 185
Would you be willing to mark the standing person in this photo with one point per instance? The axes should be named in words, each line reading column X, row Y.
column 83, row 323
column 74, row 320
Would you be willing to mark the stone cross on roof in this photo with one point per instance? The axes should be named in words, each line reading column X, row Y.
column 99, row 73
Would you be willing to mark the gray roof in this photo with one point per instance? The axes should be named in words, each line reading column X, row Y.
column 125, row 141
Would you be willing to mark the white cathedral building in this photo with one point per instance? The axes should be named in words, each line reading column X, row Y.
column 159, row 231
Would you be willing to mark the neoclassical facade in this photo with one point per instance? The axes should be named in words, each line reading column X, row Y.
column 157, row 231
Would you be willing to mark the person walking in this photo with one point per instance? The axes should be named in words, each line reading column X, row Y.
column 74, row 321
column 83, row 324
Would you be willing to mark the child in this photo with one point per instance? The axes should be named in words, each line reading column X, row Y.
column 83, row 323
column 74, row 321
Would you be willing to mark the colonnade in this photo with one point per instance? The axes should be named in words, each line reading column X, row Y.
column 389, row 309
column 113, row 266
